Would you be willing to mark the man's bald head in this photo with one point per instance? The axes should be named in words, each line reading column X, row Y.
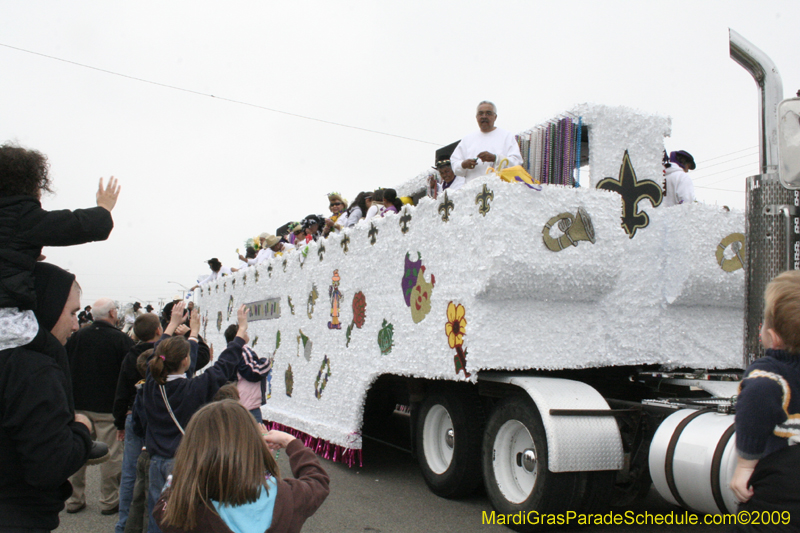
column 105, row 309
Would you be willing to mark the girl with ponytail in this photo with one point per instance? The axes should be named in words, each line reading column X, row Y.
column 391, row 203
column 172, row 394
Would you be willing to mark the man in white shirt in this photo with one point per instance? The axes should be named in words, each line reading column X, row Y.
column 678, row 186
column 217, row 271
column 485, row 148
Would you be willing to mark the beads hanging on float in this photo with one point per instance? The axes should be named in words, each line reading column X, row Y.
column 551, row 152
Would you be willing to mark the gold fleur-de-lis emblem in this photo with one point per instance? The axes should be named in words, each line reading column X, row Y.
column 344, row 243
column 404, row 220
column 373, row 234
column 482, row 200
column 632, row 190
column 445, row 207
column 321, row 251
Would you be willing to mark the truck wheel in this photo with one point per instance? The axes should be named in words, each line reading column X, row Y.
column 598, row 491
column 515, row 465
column 448, row 443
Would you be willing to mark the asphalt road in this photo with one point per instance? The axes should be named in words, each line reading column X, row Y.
column 386, row 495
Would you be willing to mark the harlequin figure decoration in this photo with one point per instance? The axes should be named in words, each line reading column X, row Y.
column 421, row 297
column 416, row 290
column 336, row 299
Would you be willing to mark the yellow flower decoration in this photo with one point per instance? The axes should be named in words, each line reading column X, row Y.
column 456, row 326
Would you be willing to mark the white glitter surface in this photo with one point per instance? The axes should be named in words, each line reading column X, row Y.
column 660, row 298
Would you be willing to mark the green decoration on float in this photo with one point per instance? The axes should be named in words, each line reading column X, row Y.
column 322, row 377
column 385, row 336
column 289, row 378
column 312, row 299
column 347, row 334
column 307, row 344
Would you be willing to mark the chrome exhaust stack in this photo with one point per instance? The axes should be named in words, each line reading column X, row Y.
column 770, row 89
column 771, row 223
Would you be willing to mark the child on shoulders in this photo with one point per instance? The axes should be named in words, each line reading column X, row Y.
column 25, row 228
column 768, row 409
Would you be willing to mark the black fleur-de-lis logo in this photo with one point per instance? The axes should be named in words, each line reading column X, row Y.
column 256, row 275
column 632, row 191
column 373, row 234
column 285, row 262
column 344, row 243
column 482, row 200
column 321, row 251
column 445, row 207
column 404, row 220
column 269, row 271
column 244, row 280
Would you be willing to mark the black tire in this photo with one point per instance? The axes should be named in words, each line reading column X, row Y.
column 450, row 467
column 597, row 492
column 515, row 469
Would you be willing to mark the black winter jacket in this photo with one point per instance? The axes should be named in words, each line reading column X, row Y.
column 25, row 227
column 41, row 445
column 126, row 385
column 95, row 358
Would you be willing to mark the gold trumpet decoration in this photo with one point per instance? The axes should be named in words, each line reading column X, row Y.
column 575, row 228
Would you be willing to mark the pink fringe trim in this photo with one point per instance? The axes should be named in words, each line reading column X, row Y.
column 323, row 448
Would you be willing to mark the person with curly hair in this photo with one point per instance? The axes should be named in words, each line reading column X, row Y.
column 25, row 228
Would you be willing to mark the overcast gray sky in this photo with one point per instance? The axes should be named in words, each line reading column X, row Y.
column 201, row 174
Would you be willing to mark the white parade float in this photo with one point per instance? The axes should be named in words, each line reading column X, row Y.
column 538, row 342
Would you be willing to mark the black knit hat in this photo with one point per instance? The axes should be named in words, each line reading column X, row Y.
column 52, row 285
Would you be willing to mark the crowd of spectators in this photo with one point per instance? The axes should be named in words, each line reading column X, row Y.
column 76, row 390
column 296, row 235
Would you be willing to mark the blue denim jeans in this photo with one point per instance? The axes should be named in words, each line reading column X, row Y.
column 256, row 414
column 130, row 454
column 160, row 468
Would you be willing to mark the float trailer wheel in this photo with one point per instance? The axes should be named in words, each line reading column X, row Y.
column 448, row 443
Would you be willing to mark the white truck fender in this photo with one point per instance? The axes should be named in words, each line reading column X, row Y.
column 574, row 443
